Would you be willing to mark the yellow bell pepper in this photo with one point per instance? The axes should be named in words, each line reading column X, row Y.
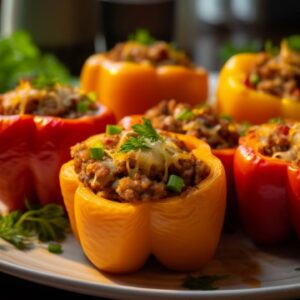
column 182, row 232
column 128, row 87
column 243, row 103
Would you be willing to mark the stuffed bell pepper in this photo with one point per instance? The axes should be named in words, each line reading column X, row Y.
column 134, row 193
column 267, row 174
column 257, row 87
column 133, row 77
column 37, row 127
column 219, row 131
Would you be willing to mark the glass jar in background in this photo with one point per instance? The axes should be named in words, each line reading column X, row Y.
column 66, row 28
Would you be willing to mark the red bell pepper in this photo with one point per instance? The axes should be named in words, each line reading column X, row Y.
column 268, row 191
column 32, row 150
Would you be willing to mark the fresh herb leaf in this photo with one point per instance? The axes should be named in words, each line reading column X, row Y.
column 133, row 144
column 47, row 223
column 254, row 79
column 113, row 129
column 55, row 248
column 21, row 59
column 142, row 36
column 184, row 115
column 146, row 130
column 175, row 183
column 44, row 81
column 276, row 121
column 270, row 48
column 202, row 282
column 293, row 42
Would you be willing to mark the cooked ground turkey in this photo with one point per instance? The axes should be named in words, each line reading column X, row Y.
column 200, row 122
column 279, row 75
column 159, row 53
column 115, row 179
column 60, row 101
column 280, row 141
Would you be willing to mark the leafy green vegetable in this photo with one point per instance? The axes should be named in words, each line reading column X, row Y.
column 202, row 282
column 184, row 115
column 146, row 130
column 175, row 183
column 146, row 133
column 55, row 248
column 21, row 59
column 142, row 36
column 270, row 48
column 229, row 49
column 133, row 144
column 47, row 223
column 294, row 42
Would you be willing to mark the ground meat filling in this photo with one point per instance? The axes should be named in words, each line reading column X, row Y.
column 59, row 101
column 126, row 179
column 159, row 53
column 219, row 132
column 277, row 75
column 280, row 141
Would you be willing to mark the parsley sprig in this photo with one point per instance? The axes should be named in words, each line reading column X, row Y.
column 46, row 223
column 202, row 282
column 142, row 36
column 145, row 134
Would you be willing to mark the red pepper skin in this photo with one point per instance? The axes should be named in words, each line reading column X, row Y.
column 294, row 197
column 33, row 148
column 261, row 186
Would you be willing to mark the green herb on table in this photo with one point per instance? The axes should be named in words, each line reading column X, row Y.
column 21, row 59
column 55, row 248
column 46, row 223
column 142, row 36
column 202, row 282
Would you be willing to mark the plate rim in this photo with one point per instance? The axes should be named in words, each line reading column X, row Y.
column 105, row 290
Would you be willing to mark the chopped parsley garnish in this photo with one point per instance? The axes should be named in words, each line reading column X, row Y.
column 145, row 134
column 270, row 48
column 254, row 79
column 55, row 248
column 175, row 183
column 142, row 36
column 46, row 223
column 202, row 282
column 96, row 152
column 44, row 81
column 113, row 129
column 293, row 42
column 184, row 115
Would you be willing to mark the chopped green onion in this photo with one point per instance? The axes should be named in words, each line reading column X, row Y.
column 82, row 107
column 184, row 115
column 270, row 48
column 293, row 42
column 97, row 152
column 276, row 121
column 175, row 183
column 254, row 79
column 55, row 248
column 92, row 96
column 113, row 129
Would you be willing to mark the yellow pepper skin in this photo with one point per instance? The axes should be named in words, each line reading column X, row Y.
column 182, row 232
column 243, row 103
column 121, row 85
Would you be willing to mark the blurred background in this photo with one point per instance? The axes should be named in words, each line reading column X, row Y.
column 209, row 30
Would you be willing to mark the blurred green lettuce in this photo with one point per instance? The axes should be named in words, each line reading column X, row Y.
column 20, row 58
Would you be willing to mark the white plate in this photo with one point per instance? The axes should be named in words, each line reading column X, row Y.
column 252, row 272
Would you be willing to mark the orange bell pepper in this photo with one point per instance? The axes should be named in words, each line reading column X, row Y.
column 243, row 103
column 182, row 232
column 127, row 87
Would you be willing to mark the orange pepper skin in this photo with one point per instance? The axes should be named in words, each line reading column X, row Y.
column 33, row 148
column 128, row 88
column 243, row 103
column 182, row 232
column 262, row 191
